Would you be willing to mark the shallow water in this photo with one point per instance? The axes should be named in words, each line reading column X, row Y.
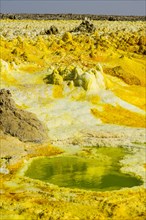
column 99, row 174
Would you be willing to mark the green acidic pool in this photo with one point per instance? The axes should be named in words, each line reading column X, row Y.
column 99, row 174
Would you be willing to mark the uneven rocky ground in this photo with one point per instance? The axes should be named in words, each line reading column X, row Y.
column 85, row 81
column 71, row 17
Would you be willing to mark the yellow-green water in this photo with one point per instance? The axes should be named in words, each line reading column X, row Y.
column 100, row 173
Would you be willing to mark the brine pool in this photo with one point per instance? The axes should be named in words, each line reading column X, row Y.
column 98, row 173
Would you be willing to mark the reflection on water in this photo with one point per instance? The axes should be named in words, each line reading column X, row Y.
column 99, row 174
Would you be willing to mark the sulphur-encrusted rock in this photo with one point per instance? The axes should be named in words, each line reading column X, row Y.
column 19, row 123
column 54, row 78
column 67, row 37
column 125, row 76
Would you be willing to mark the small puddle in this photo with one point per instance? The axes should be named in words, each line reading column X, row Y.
column 101, row 173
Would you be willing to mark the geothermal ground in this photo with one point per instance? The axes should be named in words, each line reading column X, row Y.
column 72, row 89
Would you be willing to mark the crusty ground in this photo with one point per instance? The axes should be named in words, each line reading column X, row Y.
column 28, row 55
column 24, row 198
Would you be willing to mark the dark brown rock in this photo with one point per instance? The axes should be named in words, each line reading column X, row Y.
column 85, row 26
column 19, row 123
column 52, row 30
column 71, row 16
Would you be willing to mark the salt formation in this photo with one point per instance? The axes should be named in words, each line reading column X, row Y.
column 91, row 81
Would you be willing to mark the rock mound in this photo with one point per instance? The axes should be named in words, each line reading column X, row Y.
column 91, row 79
column 85, row 26
column 52, row 30
column 19, row 123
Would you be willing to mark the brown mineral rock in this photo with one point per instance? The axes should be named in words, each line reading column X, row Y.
column 52, row 30
column 19, row 123
column 85, row 26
